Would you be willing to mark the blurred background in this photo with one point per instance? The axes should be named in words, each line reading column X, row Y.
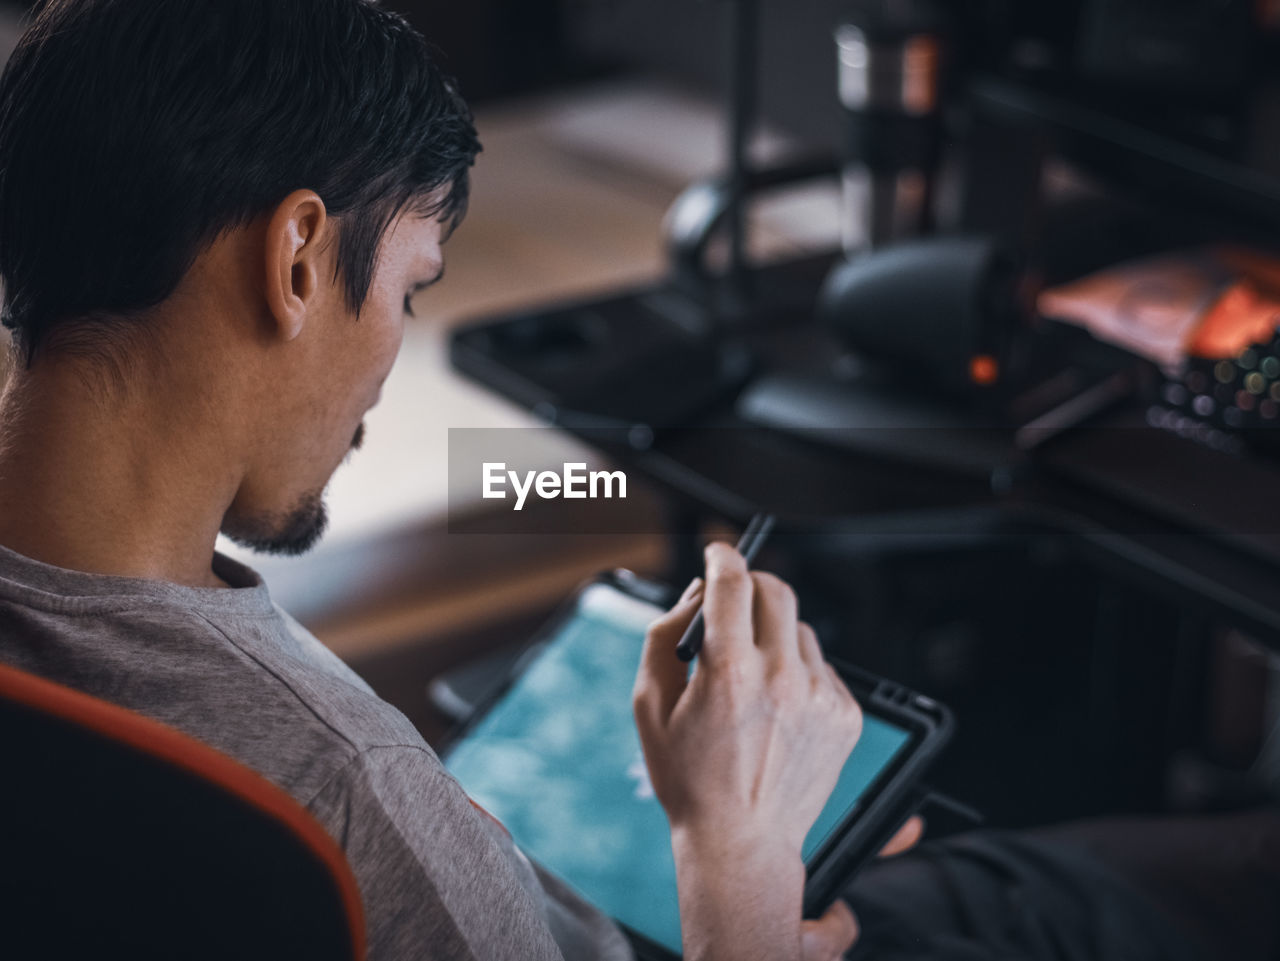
column 979, row 297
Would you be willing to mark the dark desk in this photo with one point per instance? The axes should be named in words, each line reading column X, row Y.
column 1204, row 523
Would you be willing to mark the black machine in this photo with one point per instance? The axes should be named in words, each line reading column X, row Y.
column 985, row 152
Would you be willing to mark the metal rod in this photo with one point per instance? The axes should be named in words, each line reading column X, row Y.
column 743, row 53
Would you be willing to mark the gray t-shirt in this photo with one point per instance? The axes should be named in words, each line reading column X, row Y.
column 439, row 878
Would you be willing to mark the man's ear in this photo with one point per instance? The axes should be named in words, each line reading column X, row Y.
column 295, row 243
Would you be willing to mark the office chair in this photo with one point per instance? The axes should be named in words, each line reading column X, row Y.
column 123, row 838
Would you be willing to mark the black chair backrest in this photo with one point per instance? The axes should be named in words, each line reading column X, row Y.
column 123, row 838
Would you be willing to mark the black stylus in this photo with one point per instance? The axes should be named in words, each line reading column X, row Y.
column 758, row 529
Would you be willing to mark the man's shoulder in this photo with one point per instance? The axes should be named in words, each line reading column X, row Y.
column 254, row 685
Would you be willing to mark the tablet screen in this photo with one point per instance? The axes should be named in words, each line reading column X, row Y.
column 558, row 761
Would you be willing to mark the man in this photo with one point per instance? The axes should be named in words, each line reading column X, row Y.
column 213, row 214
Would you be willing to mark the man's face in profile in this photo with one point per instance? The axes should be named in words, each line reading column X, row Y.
column 331, row 378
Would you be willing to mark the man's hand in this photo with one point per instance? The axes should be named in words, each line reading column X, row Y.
column 742, row 755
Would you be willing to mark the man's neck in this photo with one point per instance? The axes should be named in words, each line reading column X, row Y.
column 108, row 482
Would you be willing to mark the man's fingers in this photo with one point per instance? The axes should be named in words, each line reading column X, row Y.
column 831, row 935
column 695, row 587
column 908, row 836
column 810, row 649
column 726, row 606
column 773, row 611
column 663, row 676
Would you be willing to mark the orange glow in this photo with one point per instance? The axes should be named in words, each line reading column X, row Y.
column 983, row 369
column 1242, row 317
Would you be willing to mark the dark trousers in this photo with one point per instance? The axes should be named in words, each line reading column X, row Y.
column 1166, row 889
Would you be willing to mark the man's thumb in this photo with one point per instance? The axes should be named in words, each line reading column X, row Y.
column 831, row 935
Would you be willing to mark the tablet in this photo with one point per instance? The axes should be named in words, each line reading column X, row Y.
column 555, row 756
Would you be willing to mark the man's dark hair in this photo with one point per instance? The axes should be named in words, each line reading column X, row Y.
column 134, row 132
